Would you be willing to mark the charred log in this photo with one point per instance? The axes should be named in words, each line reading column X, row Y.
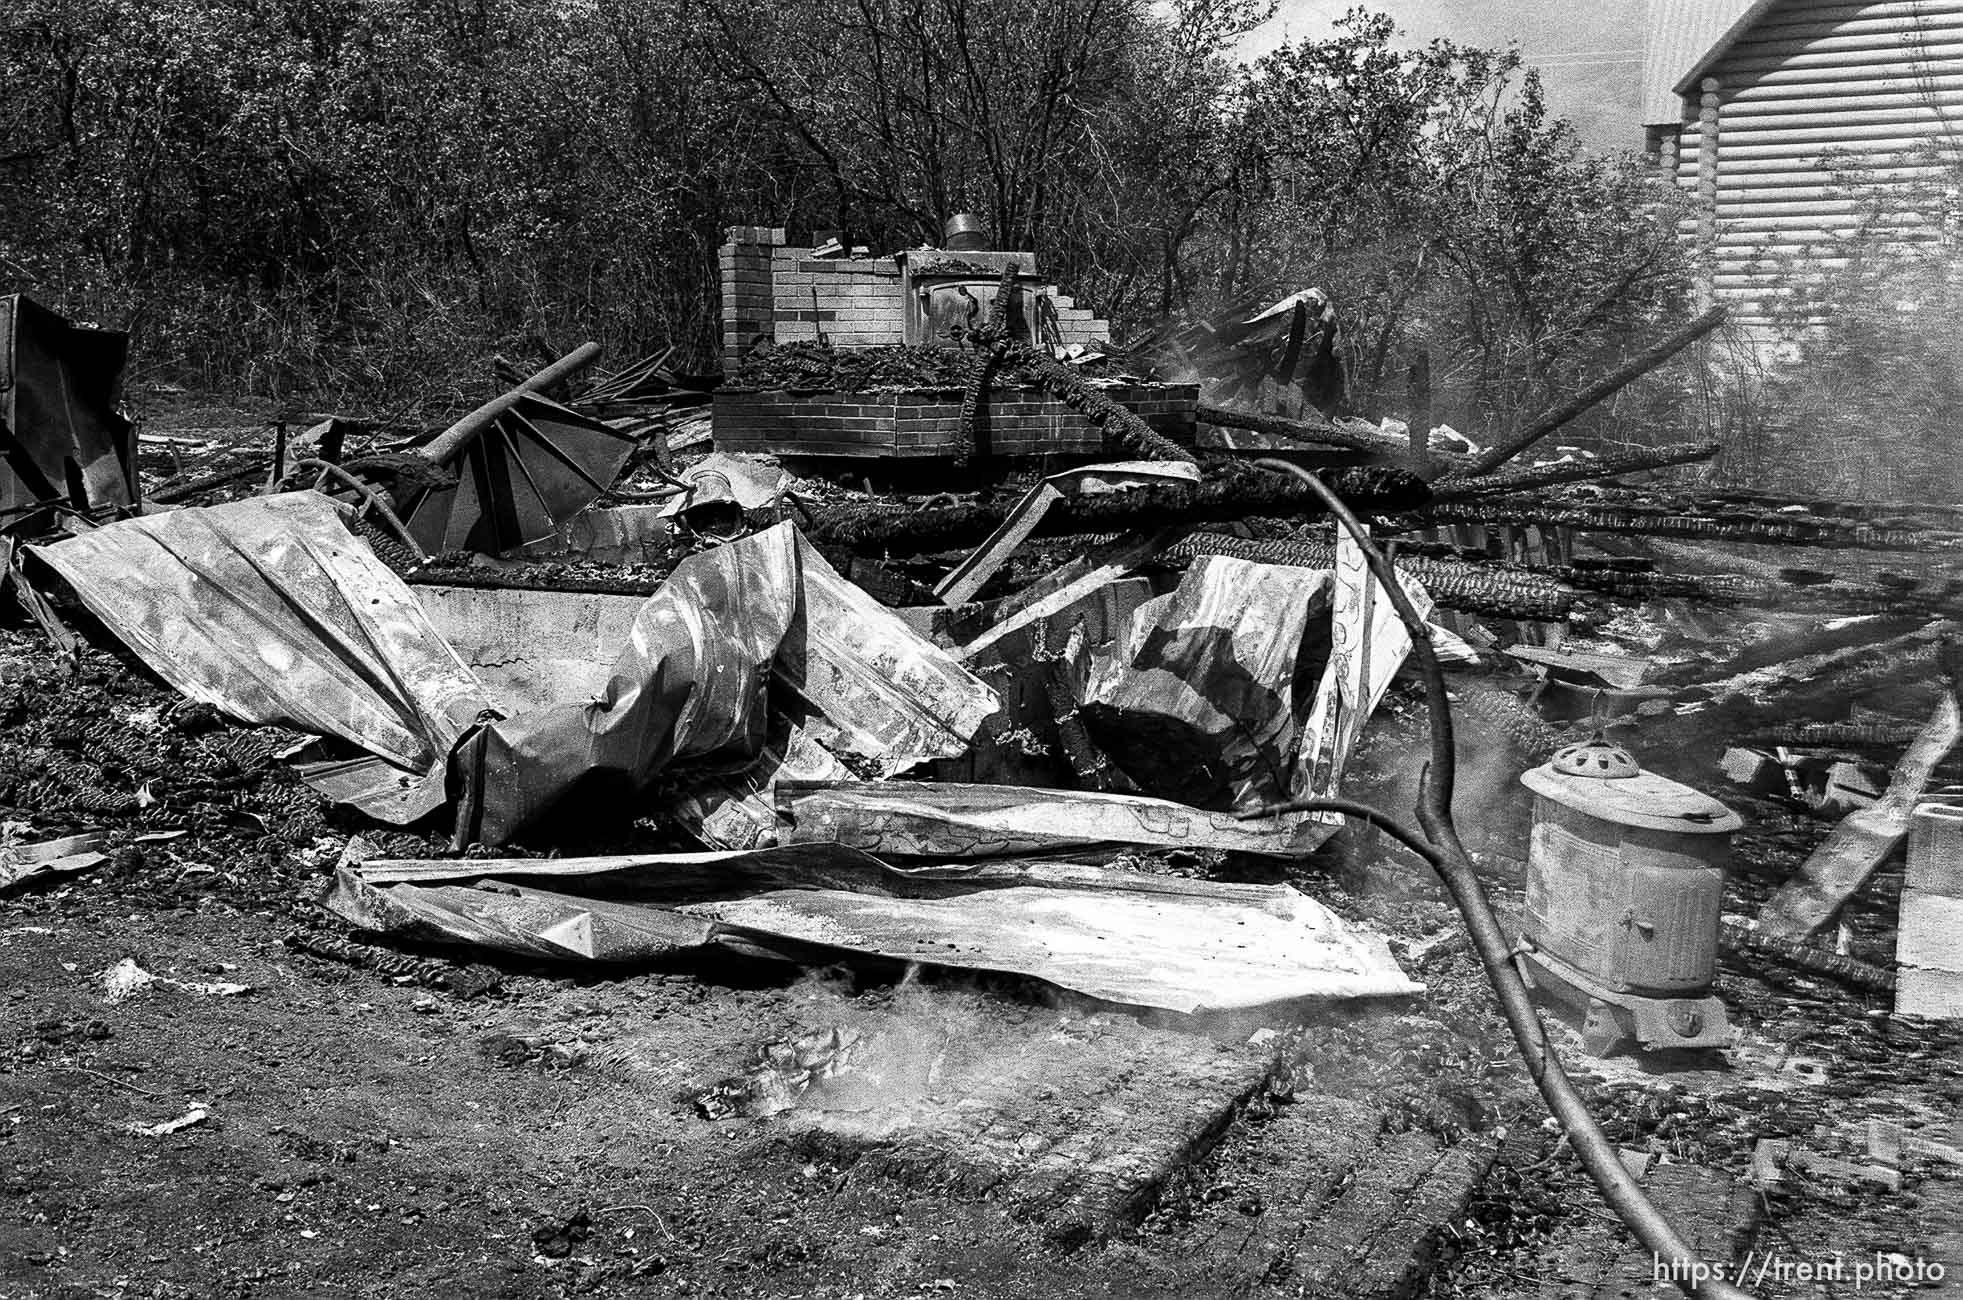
column 1580, row 471
column 1684, row 517
column 1607, row 386
column 1232, row 491
column 1456, row 584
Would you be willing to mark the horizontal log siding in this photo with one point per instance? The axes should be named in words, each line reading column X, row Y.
column 1821, row 104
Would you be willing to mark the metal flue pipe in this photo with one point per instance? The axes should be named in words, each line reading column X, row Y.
column 443, row 448
column 1443, row 850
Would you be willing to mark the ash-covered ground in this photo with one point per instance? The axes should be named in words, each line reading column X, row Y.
column 368, row 1121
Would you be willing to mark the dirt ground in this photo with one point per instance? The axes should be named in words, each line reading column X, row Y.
column 367, row 1122
column 367, row 1138
column 366, row 1135
column 376, row 1123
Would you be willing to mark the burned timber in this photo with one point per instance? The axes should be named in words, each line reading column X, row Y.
column 925, row 810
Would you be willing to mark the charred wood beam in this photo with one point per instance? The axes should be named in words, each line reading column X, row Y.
column 1541, row 476
column 1298, row 325
column 1834, row 735
column 1772, row 695
column 1321, row 432
column 1689, row 520
column 1790, row 594
column 1504, row 714
column 1456, row 584
column 171, row 493
column 1122, row 432
column 1233, row 491
column 1637, row 581
column 1918, row 514
column 1607, row 386
column 1737, row 940
column 1092, row 767
column 1480, row 584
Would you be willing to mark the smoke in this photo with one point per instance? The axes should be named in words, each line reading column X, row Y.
column 1499, row 737
column 1588, row 54
column 901, row 1065
column 921, row 1056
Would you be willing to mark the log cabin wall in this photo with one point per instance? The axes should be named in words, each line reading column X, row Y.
column 1791, row 121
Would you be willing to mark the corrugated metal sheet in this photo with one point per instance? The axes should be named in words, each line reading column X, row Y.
column 1677, row 33
column 1821, row 103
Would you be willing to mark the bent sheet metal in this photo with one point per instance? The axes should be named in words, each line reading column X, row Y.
column 1124, row 937
column 531, row 470
column 753, row 626
column 1203, row 697
column 951, row 820
column 273, row 611
column 62, row 440
column 1368, row 645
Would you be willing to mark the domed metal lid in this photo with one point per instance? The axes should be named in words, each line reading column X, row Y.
column 1595, row 758
column 1603, row 780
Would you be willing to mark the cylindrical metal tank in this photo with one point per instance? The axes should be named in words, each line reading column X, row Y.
column 1625, row 873
column 964, row 232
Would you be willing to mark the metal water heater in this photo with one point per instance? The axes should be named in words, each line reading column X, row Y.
column 1625, row 888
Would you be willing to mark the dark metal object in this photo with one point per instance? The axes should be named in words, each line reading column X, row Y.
column 964, row 233
column 648, row 378
column 62, row 441
column 712, row 508
column 1447, row 855
column 535, row 465
column 1418, row 381
column 524, row 466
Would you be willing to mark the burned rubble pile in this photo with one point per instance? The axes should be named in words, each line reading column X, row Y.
column 979, row 645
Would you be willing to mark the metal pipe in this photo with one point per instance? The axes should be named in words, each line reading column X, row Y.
column 1597, row 1154
column 369, row 495
column 444, row 447
column 1363, row 812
